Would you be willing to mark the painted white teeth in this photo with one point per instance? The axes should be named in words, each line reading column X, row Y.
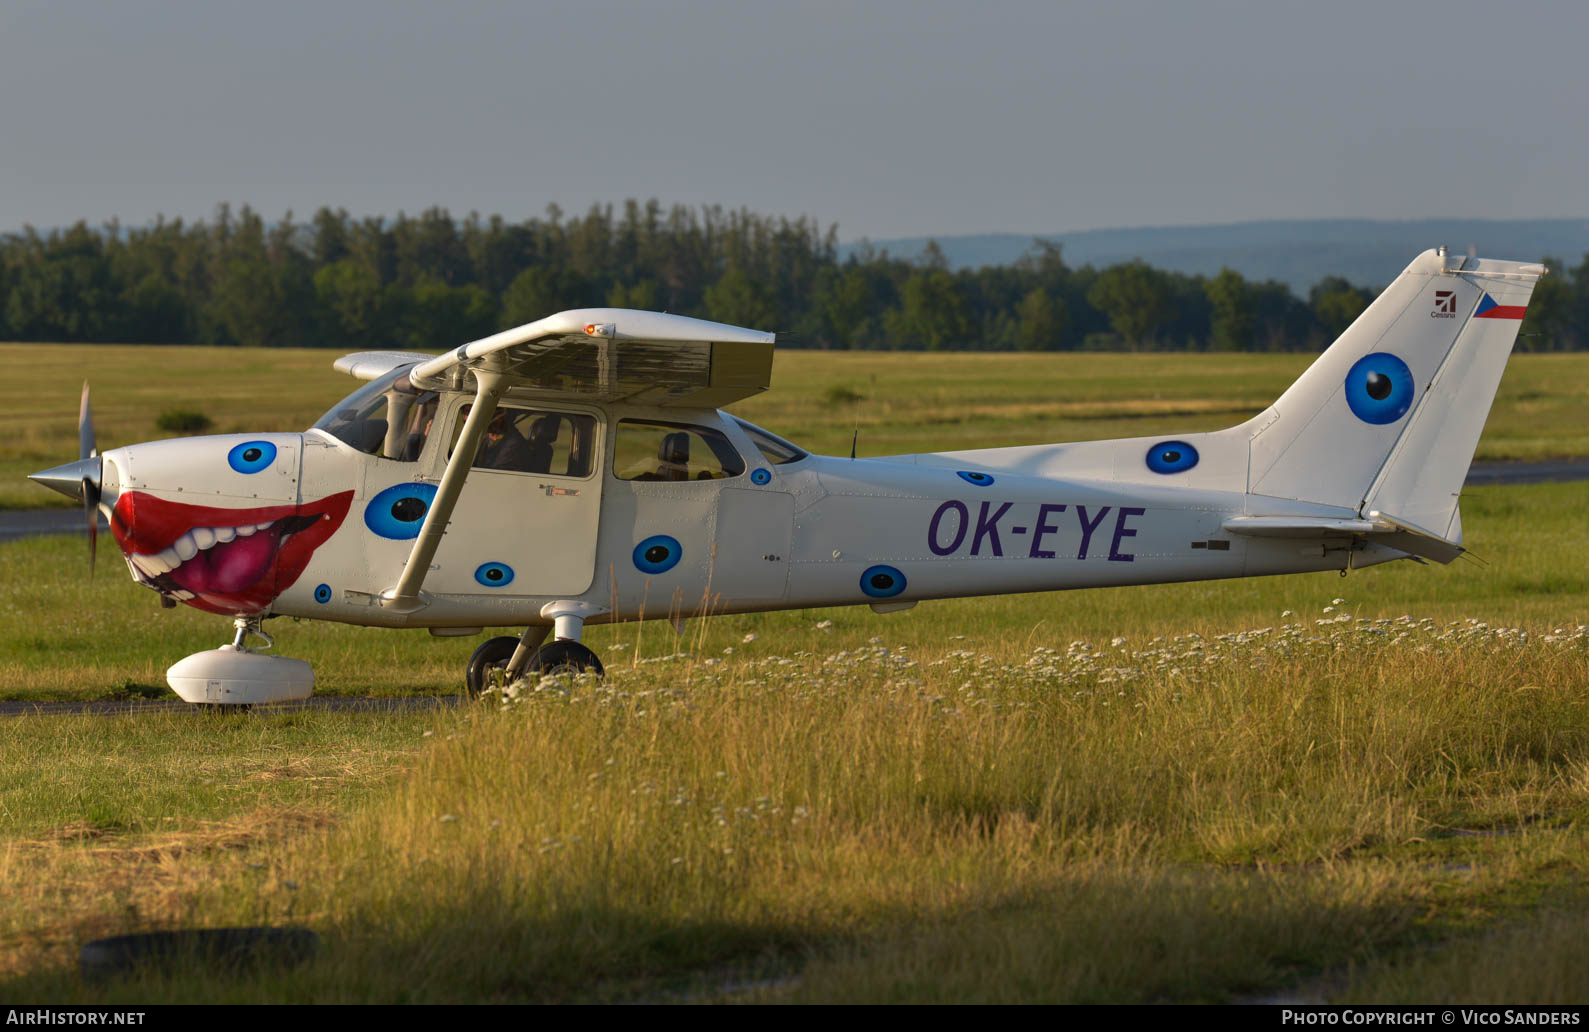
column 147, row 564
column 189, row 545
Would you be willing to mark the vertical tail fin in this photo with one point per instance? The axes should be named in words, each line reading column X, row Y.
column 1389, row 416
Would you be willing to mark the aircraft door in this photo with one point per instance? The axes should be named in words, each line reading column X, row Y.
column 527, row 520
column 754, row 532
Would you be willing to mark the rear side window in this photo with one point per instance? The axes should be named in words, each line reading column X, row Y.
column 673, row 452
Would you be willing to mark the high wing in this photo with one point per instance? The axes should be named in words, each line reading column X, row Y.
column 613, row 354
column 372, row 365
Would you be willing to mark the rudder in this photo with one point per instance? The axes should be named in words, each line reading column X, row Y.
column 1388, row 417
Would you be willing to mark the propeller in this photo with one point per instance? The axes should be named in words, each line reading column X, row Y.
column 88, row 449
column 81, row 480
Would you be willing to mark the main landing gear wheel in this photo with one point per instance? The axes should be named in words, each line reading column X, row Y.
column 486, row 665
column 564, row 657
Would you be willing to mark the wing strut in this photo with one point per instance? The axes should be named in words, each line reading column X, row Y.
column 405, row 596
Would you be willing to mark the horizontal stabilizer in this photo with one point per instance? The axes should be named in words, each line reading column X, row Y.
column 1297, row 526
column 1382, row 528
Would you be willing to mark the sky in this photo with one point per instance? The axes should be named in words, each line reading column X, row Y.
column 888, row 118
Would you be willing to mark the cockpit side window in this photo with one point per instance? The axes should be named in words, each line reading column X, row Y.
column 654, row 450
column 525, row 440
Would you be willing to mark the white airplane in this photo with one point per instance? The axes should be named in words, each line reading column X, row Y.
column 578, row 469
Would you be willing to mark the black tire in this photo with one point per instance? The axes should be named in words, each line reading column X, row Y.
column 565, row 657
column 493, row 655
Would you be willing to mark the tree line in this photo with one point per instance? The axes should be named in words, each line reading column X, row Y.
column 432, row 281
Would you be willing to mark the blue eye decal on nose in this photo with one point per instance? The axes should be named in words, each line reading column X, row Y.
column 1379, row 388
column 494, row 575
column 882, row 582
column 1171, row 457
column 399, row 511
column 251, row 456
column 760, row 476
column 657, row 554
column 979, row 479
column 322, row 594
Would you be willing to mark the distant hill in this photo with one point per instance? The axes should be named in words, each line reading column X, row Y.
column 1300, row 253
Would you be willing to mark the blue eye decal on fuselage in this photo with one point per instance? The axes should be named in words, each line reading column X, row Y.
column 399, row 511
column 494, row 575
column 882, row 582
column 979, row 479
column 657, row 554
column 1171, row 457
column 251, row 456
column 760, row 476
column 1379, row 388
column 322, row 594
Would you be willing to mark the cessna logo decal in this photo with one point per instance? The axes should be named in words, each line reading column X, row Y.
column 1445, row 305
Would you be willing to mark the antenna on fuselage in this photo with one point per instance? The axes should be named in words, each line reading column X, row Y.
column 853, row 438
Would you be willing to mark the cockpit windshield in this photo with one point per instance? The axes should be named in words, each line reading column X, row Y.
column 773, row 448
column 387, row 417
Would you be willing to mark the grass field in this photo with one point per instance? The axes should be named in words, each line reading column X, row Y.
column 910, row 402
column 1373, row 788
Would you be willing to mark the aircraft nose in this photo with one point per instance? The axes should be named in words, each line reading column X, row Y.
column 68, row 479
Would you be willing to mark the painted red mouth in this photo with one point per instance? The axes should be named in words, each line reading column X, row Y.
column 230, row 561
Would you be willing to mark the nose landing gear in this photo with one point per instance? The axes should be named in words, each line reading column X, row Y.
column 235, row 676
column 501, row 661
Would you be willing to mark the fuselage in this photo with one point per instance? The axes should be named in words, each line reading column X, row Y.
column 648, row 512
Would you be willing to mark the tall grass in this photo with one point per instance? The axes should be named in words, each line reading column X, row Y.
column 1181, row 819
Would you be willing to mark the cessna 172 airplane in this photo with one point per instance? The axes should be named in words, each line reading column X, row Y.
column 578, row 469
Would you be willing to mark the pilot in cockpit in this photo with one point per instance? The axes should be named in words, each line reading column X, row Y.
column 504, row 447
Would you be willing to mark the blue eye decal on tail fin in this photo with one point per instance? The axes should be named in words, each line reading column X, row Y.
column 1379, row 388
column 979, row 479
column 1171, row 457
column 399, row 511
column 322, row 594
column 251, row 456
column 882, row 582
column 657, row 554
column 494, row 575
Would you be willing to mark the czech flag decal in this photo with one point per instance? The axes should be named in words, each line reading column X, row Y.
column 1488, row 309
